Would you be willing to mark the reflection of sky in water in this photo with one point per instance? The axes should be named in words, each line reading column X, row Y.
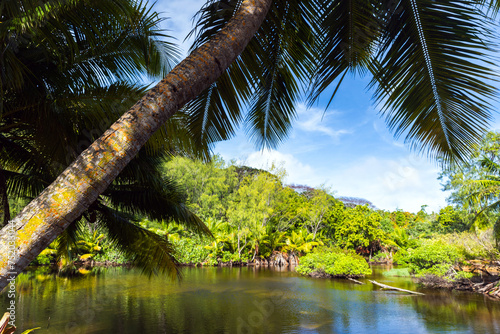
column 245, row 300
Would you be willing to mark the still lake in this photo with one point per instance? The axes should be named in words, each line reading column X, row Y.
column 241, row 300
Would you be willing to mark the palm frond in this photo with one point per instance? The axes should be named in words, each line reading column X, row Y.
column 433, row 73
column 348, row 34
column 285, row 43
column 176, row 138
column 67, row 240
column 214, row 114
column 151, row 252
column 96, row 41
column 493, row 6
column 491, row 167
column 268, row 75
column 24, row 185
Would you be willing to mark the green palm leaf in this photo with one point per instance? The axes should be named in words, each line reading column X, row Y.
column 153, row 253
column 432, row 75
column 68, row 239
column 267, row 76
column 347, row 36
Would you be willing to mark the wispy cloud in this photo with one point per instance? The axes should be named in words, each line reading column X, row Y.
column 179, row 14
column 316, row 120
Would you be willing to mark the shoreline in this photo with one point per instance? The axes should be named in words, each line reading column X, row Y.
column 487, row 285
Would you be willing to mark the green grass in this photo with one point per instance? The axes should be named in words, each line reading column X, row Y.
column 397, row 272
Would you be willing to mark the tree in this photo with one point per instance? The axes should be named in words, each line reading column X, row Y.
column 429, row 89
column 252, row 207
column 287, row 209
column 456, row 176
column 208, row 185
column 475, row 184
column 319, row 208
column 358, row 228
column 450, row 220
column 59, row 110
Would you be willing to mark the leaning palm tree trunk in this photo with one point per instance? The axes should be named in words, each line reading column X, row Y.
column 90, row 174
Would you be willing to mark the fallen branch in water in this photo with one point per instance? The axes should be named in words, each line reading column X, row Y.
column 388, row 287
column 355, row 281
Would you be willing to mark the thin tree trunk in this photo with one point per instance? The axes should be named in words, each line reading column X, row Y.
column 90, row 174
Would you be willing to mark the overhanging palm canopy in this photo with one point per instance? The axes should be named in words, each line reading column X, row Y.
column 431, row 62
column 419, row 51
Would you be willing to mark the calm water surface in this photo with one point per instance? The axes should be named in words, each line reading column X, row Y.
column 241, row 300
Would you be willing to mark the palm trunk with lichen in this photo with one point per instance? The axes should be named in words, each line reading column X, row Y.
column 89, row 175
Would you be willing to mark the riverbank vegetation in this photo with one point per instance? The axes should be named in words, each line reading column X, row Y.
column 163, row 210
column 256, row 219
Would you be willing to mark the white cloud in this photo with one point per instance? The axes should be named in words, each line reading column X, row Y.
column 403, row 183
column 297, row 172
column 406, row 183
column 316, row 120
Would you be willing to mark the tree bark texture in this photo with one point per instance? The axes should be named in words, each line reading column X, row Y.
column 89, row 175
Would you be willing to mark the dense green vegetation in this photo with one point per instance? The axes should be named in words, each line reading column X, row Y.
column 63, row 79
column 334, row 262
column 253, row 215
column 64, row 85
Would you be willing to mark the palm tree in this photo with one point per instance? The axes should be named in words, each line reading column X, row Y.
column 59, row 110
column 301, row 242
column 427, row 59
column 483, row 197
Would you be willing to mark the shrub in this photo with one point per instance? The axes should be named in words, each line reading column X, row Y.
column 112, row 254
column 334, row 262
column 190, row 251
column 45, row 257
column 473, row 246
column 431, row 257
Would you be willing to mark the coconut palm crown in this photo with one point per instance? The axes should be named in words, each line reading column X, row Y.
column 431, row 63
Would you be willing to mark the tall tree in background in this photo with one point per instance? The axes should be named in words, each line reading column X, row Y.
column 426, row 75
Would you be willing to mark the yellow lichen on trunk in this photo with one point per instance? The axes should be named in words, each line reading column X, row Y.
column 90, row 174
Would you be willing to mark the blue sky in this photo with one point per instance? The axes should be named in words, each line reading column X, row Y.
column 347, row 149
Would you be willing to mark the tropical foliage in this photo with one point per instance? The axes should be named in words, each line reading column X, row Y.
column 435, row 94
column 425, row 76
column 475, row 185
column 334, row 262
column 432, row 257
column 63, row 85
column 252, row 215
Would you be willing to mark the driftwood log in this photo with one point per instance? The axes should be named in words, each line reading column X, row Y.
column 491, row 289
column 355, row 281
column 388, row 287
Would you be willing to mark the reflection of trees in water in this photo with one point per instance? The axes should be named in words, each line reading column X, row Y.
column 448, row 309
column 221, row 300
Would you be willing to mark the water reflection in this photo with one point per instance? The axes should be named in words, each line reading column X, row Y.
column 240, row 300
